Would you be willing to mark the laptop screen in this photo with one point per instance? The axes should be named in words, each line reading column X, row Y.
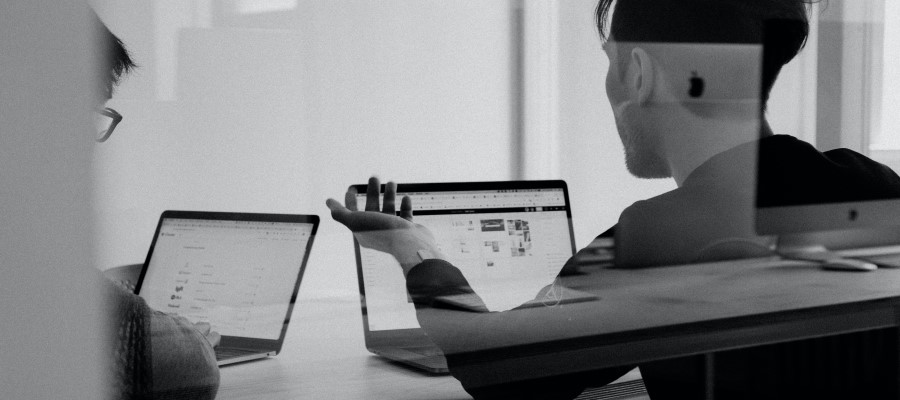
column 508, row 243
column 239, row 276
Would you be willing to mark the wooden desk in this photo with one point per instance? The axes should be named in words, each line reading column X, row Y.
column 324, row 357
column 653, row 314
column 642, row 315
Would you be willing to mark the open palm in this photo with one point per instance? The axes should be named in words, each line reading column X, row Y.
column 379, row 228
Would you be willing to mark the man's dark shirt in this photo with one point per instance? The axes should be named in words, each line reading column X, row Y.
column 714, row 206
column 711, row 216
column 793, row 172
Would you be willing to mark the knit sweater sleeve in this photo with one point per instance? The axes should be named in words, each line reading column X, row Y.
column 130, row 369
column 156, row 355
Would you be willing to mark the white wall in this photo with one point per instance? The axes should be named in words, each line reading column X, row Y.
column 240, row 110
column 275, row 112
column 886, row 135
column 792, row 103
column 49, row 306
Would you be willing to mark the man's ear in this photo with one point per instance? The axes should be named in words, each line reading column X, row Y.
column 644, row 75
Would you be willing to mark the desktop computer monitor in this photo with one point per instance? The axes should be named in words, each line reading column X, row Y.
column 846, row 202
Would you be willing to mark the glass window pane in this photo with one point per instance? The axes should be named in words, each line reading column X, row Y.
column 885, row 132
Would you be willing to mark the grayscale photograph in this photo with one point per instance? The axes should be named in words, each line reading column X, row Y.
column 450, row 199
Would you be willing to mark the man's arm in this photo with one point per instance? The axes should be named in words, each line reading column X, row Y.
column 157, row 355
column 184, row 362
column 456, row 332
column 460, row 334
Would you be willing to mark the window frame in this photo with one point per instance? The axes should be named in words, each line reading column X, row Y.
column 850, row 78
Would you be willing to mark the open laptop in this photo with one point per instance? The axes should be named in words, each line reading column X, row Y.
column 509, row 239
column 239, row 272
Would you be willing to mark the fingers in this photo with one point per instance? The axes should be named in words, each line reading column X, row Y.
column 390, row 193
column 350, row 198
column 206, row 330
column 338, row 212
column 214, row 339
column 182, row 321
column 406, row 211
column 203, row 327
column 372, row 192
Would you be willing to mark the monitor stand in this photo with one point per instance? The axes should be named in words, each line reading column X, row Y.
column 825, row 245
column 815, row 253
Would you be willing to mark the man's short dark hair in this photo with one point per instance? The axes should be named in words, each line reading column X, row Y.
column 712, row 21
column 115, row 59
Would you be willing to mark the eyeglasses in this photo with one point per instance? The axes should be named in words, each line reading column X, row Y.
column 105, row 121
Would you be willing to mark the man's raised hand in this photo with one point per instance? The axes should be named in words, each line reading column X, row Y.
column 379, row 228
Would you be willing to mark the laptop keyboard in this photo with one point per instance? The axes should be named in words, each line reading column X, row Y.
column 432, row 358
column 224, row 354
column 426, row 351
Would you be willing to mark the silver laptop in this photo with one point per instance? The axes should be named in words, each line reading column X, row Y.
column 509, row 239
column 239, row 272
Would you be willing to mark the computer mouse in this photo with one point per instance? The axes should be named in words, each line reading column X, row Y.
column 848, row 264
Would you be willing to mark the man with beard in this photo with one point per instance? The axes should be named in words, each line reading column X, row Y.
column 710, row 149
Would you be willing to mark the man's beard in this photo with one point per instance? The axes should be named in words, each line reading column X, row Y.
column 642, row 158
